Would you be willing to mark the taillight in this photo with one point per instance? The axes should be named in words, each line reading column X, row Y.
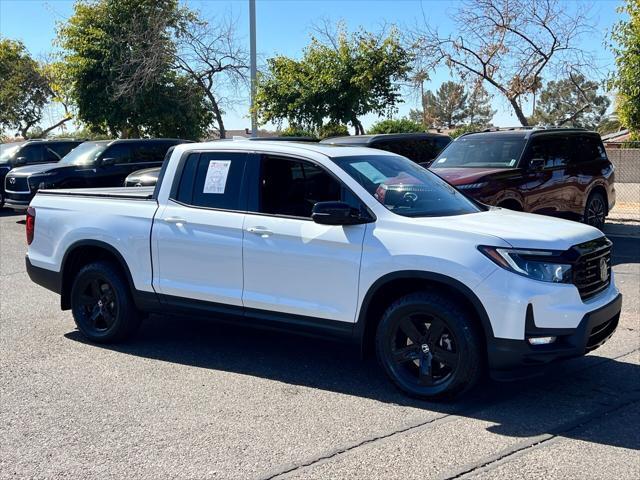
column 31, row 224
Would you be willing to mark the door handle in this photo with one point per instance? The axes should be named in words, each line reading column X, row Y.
column 176, row 220
column 262, row 231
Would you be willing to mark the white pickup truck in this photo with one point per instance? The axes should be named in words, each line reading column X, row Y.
column 347, row 242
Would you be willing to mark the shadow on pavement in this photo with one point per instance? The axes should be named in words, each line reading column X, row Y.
column 520, row 409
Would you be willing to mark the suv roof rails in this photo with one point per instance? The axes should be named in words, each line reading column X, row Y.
column 537, row 127
column 60, row 139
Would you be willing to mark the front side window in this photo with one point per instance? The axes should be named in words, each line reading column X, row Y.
column 120, row 152
column 482, row 151
column 31, row 153
column 292, row 187
column 406, row 188
column 213, row 180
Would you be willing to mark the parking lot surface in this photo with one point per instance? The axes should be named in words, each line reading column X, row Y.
column 190, row 399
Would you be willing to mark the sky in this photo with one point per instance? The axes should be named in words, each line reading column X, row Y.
column 284, row 27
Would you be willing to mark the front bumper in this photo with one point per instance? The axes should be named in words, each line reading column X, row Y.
column 512, row 359
column 18, row 201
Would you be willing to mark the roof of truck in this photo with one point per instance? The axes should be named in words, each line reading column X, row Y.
column 332, row 151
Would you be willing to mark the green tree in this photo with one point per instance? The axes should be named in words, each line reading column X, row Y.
column 626, row 46
column 122, row 83
column 24, row 90
column 479, row 111
column 402, row 125
column 471, row 128
column 572, row 101
column 338, row 80
column 333, row 129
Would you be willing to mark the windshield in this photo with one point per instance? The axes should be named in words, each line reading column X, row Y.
column 7, row 150
column 486, row 151
column 406, row 188
column 84, row 154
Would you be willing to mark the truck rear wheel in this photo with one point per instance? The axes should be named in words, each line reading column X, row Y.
column 101, row 303
column 429, row 346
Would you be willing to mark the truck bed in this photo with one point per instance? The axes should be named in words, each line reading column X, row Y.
column 129, row 193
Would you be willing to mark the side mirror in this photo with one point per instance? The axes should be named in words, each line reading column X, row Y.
column 108, row 161
column 536, row 164
column 20, row 161
column 336, row 213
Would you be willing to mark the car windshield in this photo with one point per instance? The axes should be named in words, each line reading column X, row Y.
column 7, row 150
column 84, row 154
column 484, row 151
column 406, row 188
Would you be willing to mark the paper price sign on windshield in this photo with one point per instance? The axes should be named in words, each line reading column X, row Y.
column 216, row 179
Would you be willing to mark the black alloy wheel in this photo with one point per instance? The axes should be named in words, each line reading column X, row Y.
column 430, row 346
column 102, row 305
column 595, row 211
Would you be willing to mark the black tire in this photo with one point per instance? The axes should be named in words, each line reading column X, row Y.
column 595, row 210
column 1, row 200
column 101, row 304
column 426, row 364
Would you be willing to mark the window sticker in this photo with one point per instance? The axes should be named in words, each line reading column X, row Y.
column 369, row 171
column 216, row 179
column 512, row 162
column 442, row 160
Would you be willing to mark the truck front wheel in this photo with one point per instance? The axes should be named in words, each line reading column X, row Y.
column 101, row 303
column 429, row 346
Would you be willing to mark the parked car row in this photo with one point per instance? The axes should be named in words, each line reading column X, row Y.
column 104, row 163
column 560, row 172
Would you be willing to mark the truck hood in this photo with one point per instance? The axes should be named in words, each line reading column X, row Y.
column 520, row 230
column 463, row 176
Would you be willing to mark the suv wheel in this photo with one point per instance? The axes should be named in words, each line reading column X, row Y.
column 101, row 304
column 595, row 211
column 429, row 346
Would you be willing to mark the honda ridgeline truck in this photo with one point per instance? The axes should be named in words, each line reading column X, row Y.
column 347, row 242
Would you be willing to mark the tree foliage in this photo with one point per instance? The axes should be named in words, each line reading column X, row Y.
column 451, row 105
column 471, row 128
column 626, row 38
column 339, row 79
column 402, row 125
column 24, row 89
column 572, row 102
column 509, row 44
column 123, row 83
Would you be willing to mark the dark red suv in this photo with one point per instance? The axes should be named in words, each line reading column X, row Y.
column 559, row 171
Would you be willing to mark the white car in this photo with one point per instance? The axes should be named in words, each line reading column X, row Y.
column 342, row 241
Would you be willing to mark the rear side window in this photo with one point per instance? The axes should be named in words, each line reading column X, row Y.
column 120, row 152
column 213, row 180
column 419, row 150
column 589, row 149
column 62, row 148
column 149, row 152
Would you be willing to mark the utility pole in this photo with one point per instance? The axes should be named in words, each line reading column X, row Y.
column 254, row 68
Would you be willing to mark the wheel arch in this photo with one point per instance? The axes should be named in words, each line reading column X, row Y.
column 393, row 285
column 83, row 252
column 601, row 189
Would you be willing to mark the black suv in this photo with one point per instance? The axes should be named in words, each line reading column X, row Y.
column 422, row 148
column 31, row 152
column 562, row 172
column 92, row 164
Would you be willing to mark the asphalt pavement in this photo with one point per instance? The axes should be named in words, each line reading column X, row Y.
column 190, row 399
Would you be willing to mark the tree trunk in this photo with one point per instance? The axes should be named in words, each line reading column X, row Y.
column 217, row 115
column 358, row 126
column 521, row 116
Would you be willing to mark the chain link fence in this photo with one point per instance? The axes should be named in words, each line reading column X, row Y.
column 626, row 159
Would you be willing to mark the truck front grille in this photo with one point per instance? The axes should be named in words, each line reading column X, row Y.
column 592, row 270
column 16, row 184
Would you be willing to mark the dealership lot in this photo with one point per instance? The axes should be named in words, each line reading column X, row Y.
column 191, row 399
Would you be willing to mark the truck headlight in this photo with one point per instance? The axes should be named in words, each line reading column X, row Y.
column 543, row 265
